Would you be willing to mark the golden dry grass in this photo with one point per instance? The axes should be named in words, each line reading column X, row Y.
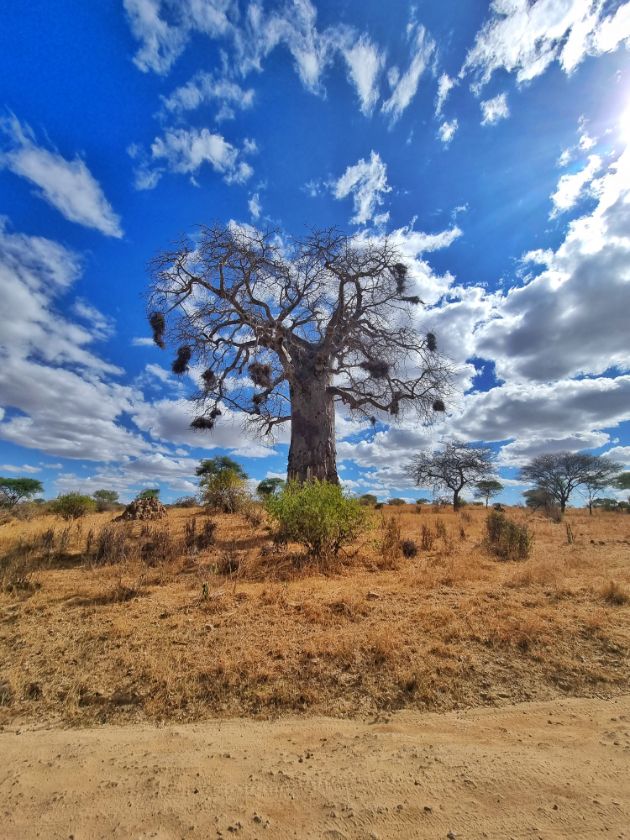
column 449, row 628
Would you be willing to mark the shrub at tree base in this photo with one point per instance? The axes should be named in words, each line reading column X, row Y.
column 508, row 539
column 318, row 516
column 73, row 505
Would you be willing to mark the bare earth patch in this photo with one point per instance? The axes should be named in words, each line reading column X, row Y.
column 554, row 770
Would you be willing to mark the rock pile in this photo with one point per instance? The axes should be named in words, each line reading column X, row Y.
column 143, row 509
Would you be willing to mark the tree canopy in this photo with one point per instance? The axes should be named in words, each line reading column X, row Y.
column 14, row 490
column 456, row 466
column 268, row 486
column 560, row 473
column 487, row 489
column 212, row 467
column 149, row 493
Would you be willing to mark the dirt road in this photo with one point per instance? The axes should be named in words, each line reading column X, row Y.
column 549, row 770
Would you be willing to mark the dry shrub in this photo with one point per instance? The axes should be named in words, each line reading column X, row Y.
column 119, row 593
column 615, row 594
column 199, row 540
column 159, row 548
column 408, row 548
column 426, row 538
column 112, row 546
column 440, row 529
column 228, row 563
column 508, row 539
column 17, row 567
column 390, row 546
column 254, row 513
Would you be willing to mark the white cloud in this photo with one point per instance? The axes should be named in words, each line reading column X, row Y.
column 525, row 38
column 572, row 186
column 405, row 85
column 68, row 185
column 163, row 42
column 495, row 109
column 25, row 468
column 185, row 151
column 204, row 88
column 254, row 206
column 445, row 85
column 365, row 63
column 447, row 130
column 366, row 181
column 572, row 318
column 142, row 342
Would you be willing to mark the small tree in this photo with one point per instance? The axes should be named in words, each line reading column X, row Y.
column 601, row 474
column 14, row 490
column 537, row 498
column 487, row 489
column 149, row 493
column 456, row 466
column 105, row 499
column 396, row 502
column 223, row 483
column 560, row 473
column 269, row 486
column 368, row 500
column 107, row 496
column 73, row 505
column 622, row 481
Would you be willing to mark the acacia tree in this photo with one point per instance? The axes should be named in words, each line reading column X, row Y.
column 14, row 490
column 560, row 473
column 454, row 467
column 601, row 474
column 223, row 483
column 284, row 331
column 269, row 486
column 622, row 481
column 487, row 489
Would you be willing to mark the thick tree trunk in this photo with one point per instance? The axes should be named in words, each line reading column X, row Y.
column 455, row 499
column 313, row 452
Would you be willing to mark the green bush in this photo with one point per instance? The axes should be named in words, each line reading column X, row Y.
column 318, row 516
column 368, row 499
column 508, row 539
column 73, row 505
column 396, row 502
column 225, row 492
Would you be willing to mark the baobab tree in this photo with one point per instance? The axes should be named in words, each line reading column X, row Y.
column 456, row 466
column 283, row 331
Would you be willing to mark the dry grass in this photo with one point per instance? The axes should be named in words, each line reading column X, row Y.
column 179, row 621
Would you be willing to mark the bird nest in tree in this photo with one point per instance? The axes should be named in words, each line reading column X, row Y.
column 143, row 509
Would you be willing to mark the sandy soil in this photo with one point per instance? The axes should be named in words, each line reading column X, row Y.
column 542, row 770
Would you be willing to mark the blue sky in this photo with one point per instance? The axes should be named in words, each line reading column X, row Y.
column 489, row 140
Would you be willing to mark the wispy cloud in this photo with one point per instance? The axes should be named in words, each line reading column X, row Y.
column 366, row 181
column 405, row 85
column 572, row 186
column 68, row 185
column 447, row 130
column 495, row 109
column 525, row 38
column 365, row 64
column 185, row 151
